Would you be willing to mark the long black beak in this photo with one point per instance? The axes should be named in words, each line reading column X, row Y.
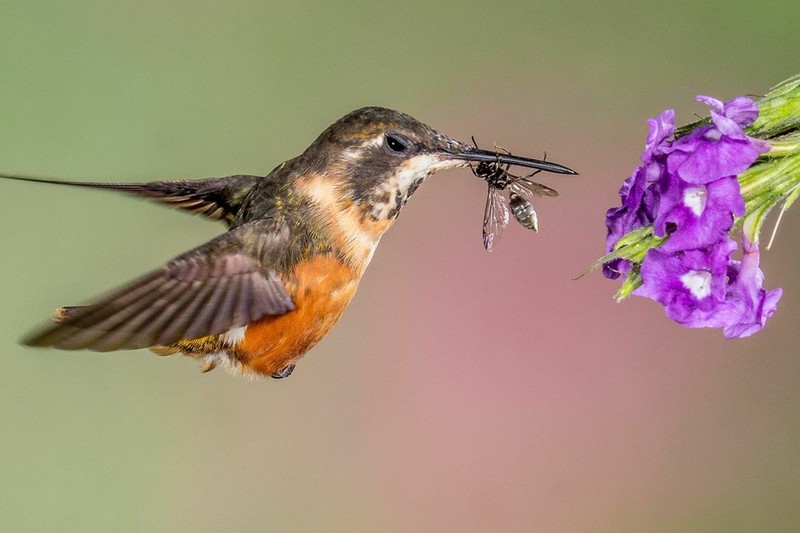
column 485, row 156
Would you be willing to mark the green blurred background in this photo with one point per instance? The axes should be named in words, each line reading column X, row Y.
column 491, row 392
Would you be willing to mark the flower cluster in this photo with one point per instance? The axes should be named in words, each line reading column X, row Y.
column 687, row 194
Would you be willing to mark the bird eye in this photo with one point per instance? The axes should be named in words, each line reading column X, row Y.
column 396, row 143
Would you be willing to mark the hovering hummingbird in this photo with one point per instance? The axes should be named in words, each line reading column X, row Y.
column 256, row 298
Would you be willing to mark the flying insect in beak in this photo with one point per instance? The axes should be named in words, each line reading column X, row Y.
column 493, row 167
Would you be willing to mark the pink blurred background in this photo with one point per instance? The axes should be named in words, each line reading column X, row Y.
column 462, row 391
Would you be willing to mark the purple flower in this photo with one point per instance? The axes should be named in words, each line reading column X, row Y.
column 688, row 190
column 706, row 288
column 718, row 150
column 741, row 110
column 697, row 215
column 748, row 304
column 691, row 285
column 637, row 210
column 638, row 200
column 661, row 128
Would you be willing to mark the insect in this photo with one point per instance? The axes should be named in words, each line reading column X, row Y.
column 498, row 209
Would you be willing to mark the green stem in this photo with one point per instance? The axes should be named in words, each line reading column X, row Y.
column 764, row 185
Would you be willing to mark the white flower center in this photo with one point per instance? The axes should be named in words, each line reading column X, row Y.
column 713, row 135
column 695, row 198
column 698, row 282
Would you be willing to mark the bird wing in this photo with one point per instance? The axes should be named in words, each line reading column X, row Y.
column 221, row 285
column 216, row 198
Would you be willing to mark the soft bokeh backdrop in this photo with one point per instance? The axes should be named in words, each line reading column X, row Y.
column 462, row 391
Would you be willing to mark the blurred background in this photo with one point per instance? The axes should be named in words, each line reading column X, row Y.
column 491, row 392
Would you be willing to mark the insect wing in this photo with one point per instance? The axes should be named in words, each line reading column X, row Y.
column 530, row 189
column 495, row 218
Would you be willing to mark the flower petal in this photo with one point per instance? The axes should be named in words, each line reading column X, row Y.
column 697, row 215
column 742, row 110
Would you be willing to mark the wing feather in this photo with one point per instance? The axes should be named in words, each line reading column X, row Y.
column 216, row 198
column 210, row 290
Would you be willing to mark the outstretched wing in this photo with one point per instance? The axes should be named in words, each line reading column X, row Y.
column 221, row 285
column 216, row 198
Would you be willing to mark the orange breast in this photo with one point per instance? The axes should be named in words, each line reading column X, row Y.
column 321, row 289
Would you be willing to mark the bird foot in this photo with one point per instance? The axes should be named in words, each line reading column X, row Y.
column 284, row 372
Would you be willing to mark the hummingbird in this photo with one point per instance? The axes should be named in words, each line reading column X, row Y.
column 256, row 298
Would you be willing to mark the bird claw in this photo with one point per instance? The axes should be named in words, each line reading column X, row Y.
column 284, row 372
column 208, row 366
